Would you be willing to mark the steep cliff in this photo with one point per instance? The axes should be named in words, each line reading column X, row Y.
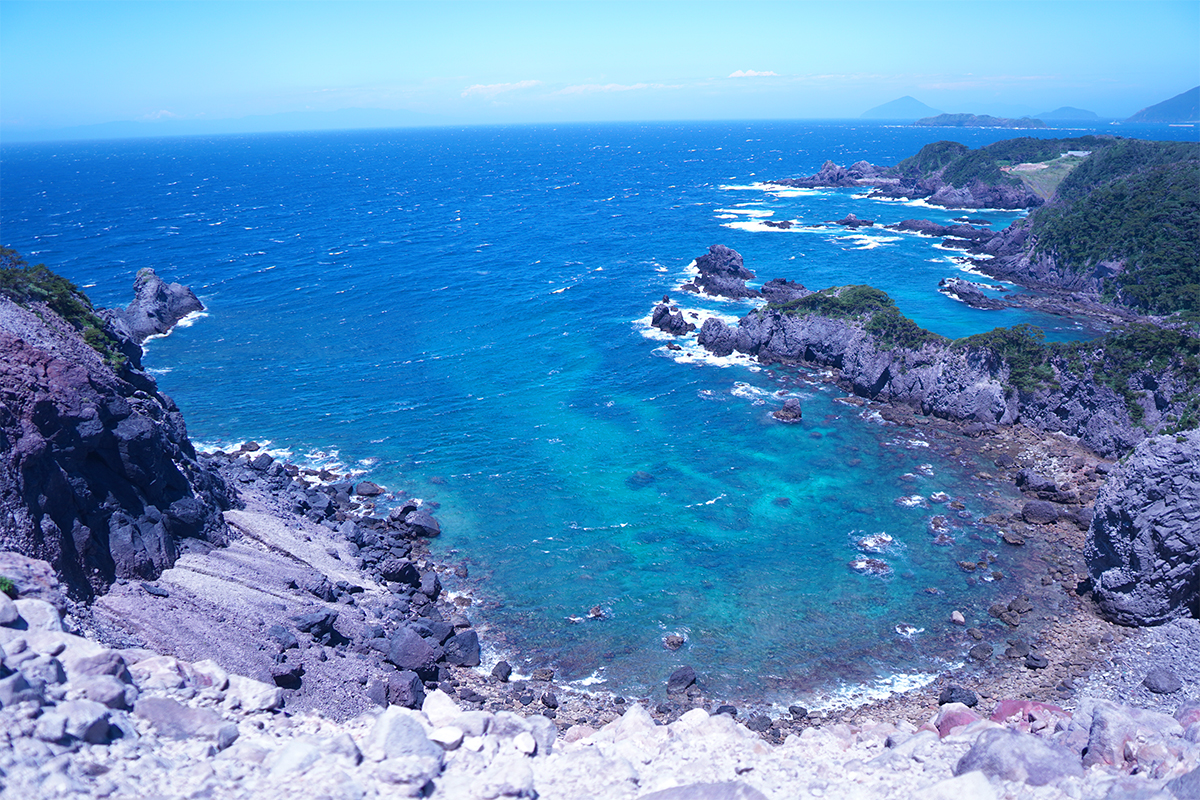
column 97, row 475
column 1143, row 549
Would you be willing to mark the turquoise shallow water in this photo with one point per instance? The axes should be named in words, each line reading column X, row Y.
column 460, row 314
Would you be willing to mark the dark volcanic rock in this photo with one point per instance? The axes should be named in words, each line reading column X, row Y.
column 1161, row 680
column 1040, row 512
column 1143, row 549
column 156, row 307
column 780, row 290
column 851, row 221
column 723, row 274
column 969, row 293
column 791, row 411
column 671, row 320
column 97, row 475
column 681, row 679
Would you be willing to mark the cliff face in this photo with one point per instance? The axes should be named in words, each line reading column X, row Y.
column 156, row 307
column 97, row 475
column 1143, row 549
column 970, row 384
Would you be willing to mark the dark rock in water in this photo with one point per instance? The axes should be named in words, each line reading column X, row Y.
column 958, row 694
column 639, row 480
column 543, row 674
column 1141, row 548
column 791, row 411
column 782, row 224
column 799, row 712
column 779, row 290
column 673, row 641
column 1013, row 755
column 431, row 585
column 368, row 489
column 502, row 671
column 1040, row 512
column 156, row 307
column 423, row 524
column 462, row 649
column 969, row 293
column 1013, row 538
column 1161, row 680
column 726, row 709
column 670, row 320
column 680, row 680
column 851, row 221
column 723, row 274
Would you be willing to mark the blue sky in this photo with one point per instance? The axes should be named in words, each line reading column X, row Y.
column 82, row 63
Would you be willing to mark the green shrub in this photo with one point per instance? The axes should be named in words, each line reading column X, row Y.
column 8, row 587
column 873, row 307
column 24, row 285
column 1023, row 348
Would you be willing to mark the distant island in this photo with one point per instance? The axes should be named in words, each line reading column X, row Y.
column 977, row 121
column 1183, row 107
column 905, row 108
column 1068, row 114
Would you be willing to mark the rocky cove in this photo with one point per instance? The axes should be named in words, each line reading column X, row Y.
column 249, row 626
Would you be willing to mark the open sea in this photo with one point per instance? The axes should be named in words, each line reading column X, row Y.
column 462, row 314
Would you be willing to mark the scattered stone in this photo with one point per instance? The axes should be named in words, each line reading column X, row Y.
column 958, row 694
column 1162, row 680
column 680, row 680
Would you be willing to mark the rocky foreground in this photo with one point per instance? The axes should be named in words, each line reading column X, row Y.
column 82, row 719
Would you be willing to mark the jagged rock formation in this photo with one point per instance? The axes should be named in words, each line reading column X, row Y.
column 722, row 274
column 1143, row 547
column 97, row 475
column 969, row 293
column 156, row 307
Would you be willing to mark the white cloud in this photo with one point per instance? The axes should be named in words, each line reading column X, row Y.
column 752, row 73
column 592, row 88
column 493, row 89
column 164, row 114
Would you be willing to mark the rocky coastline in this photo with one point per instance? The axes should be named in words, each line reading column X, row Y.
column 273, row 627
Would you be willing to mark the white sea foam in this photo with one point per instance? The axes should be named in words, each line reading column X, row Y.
column 186, row 322
column 912, row 501
column 759, row 225
column 749, row 212
column 908, row 631
column 560, row 291
column 852, row 695
column 867, row 242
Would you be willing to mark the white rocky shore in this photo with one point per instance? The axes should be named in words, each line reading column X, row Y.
column 81, row 719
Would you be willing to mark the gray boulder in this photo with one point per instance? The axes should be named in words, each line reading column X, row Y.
column 1015, row 756
column 1143, row 548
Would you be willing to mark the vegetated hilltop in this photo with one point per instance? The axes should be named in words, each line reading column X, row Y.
column 1123, row 226
column 97, row 475
column 1116, row 220
column 978, row 121
column 1111, row 393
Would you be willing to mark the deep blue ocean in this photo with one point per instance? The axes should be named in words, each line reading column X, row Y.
column 462, row 314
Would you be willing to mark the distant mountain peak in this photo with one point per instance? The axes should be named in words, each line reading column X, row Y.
column 1068, row 113
column 904, row 108
column 1183, row 107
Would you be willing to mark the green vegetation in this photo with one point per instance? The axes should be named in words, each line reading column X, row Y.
column 25, row 285
column 1044, row 182
column 1145, row 212
column 963, row 166
column 1023, row 348
column 8, row 587
column 978, row 121
column 878, row 311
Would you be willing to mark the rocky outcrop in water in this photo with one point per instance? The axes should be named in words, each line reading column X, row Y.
column 969, row 293
column 670, row 319
column 722, row 274
column 97, row 475
column 156, row 307
column 962, row 383
column 1143, row 548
